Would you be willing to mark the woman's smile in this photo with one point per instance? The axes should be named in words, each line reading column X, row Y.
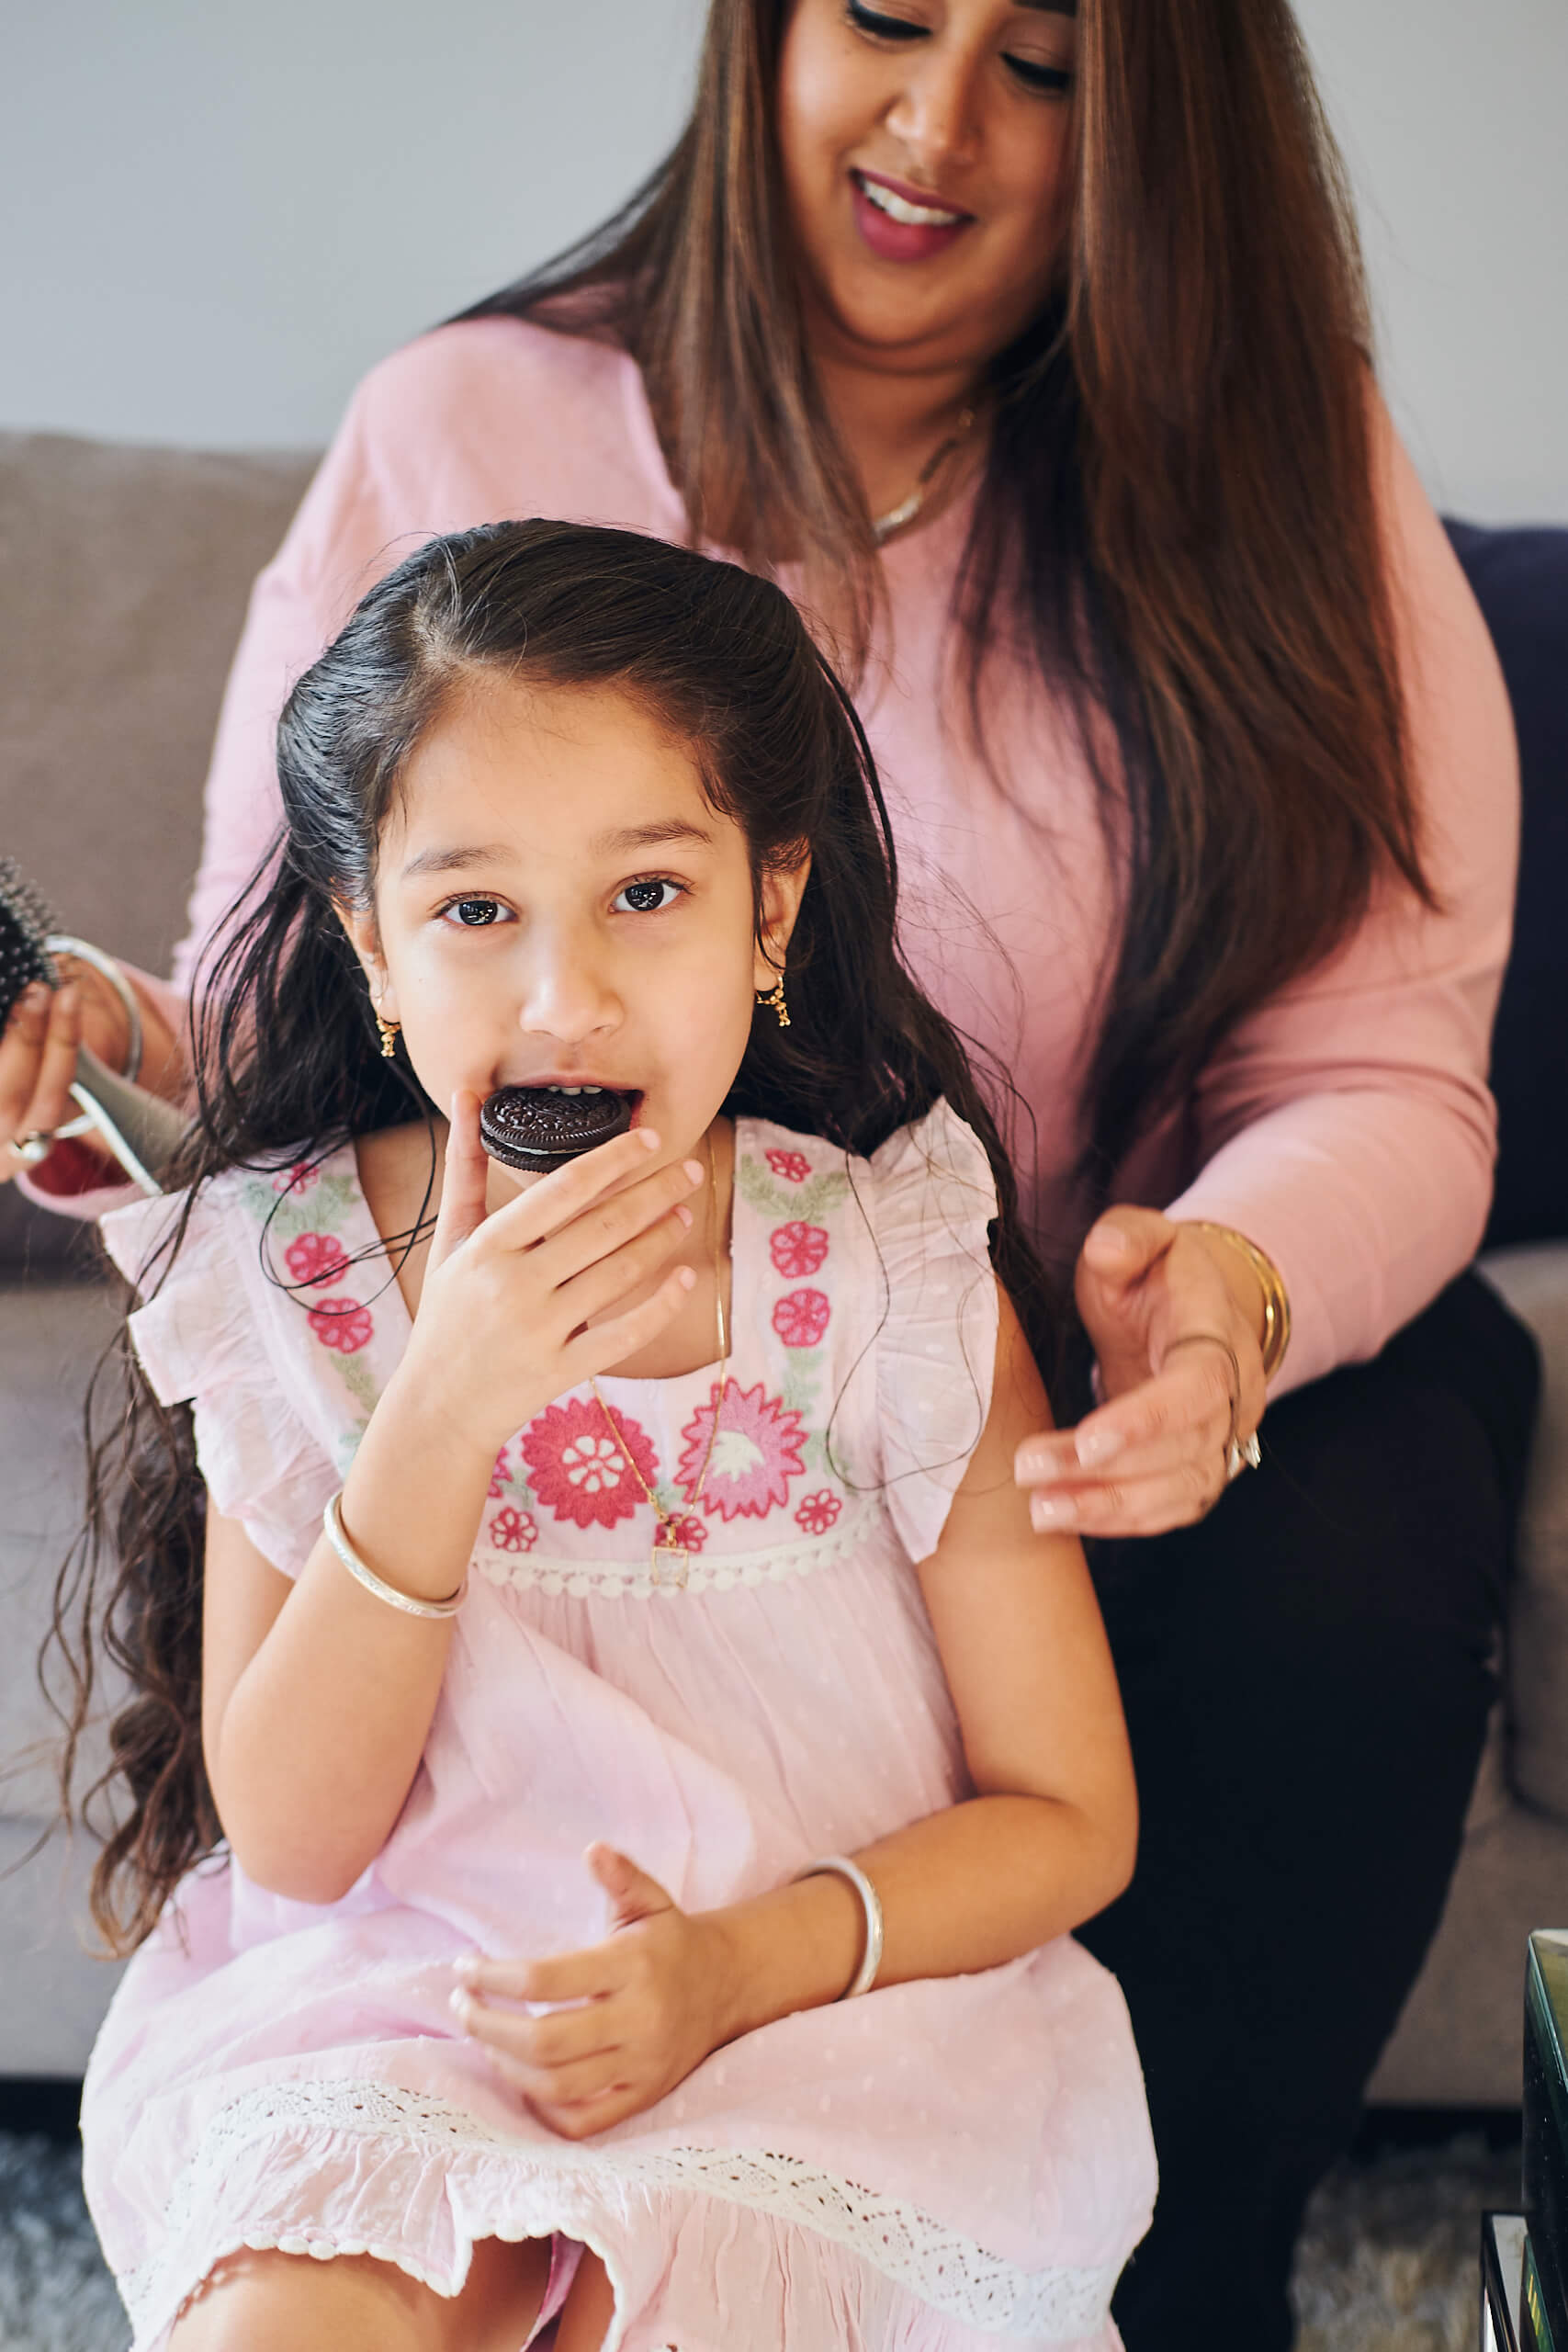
column 899, row 223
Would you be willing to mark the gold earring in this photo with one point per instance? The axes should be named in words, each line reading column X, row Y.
column 775, row 997
column 389, row 1030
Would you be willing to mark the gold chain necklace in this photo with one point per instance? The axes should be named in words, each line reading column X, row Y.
column 666, row 1554
column 883, row 525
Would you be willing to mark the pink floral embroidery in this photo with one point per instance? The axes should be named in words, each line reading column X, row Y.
column 315, row 1258
column 797, row 1249
column 801, row 1318
column 298, row 1179
column 793, row 1166
column 499, row 1479
column 514, row 1530
column 755, row 1454
column 342, row 1323
column 578, row 1468
column 817, row 1512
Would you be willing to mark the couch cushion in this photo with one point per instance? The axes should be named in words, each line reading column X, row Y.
column 1520, row 581
column 1535, row 1283
column 123, row 579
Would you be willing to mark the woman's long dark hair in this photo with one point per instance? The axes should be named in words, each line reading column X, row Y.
column 288, row 1064
column 1179, row 494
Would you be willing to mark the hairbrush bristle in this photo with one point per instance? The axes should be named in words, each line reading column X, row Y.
column 26, row 920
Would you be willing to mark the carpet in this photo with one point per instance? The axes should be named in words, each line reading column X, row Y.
column 1388, row 2263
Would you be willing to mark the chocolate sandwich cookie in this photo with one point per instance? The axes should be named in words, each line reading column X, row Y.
column 541, row 1127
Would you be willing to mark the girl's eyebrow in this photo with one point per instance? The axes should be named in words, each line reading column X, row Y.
column 654, row 836
column 452, row 861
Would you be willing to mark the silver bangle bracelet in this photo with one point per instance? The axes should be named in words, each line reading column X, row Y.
column 61, row 943
column 840, row 1866
column 331, row 1524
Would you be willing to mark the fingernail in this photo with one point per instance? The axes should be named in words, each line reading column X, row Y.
column 35, row 996
column 648, row 1137
column 1053, row 1510
column 694, row 1169
column 1111, row 1238
column 67, row 996
column 1033, row 1462
column 1099, row 1445
column 459, row 2005
column 684, row 1213
column 688, row 1279
column 465, row 1969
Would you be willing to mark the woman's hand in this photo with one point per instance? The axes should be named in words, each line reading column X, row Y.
column 649, row 2001
column 1174, row 1316
column 519, row 1306
column 38, row 1062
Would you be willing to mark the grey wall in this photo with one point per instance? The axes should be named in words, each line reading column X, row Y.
column 215, row 215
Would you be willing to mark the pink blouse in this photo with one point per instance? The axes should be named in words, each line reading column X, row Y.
column 1346, row 1126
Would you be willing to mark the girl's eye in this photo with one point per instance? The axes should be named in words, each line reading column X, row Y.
column 647, row 898
column 473, row 913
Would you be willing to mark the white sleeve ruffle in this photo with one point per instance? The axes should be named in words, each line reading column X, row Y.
column 201, row 1338
column 933, row 1201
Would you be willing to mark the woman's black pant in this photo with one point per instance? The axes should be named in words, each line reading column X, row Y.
column 1307, row 1676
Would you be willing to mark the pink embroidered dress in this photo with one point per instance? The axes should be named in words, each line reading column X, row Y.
column 936, row 2167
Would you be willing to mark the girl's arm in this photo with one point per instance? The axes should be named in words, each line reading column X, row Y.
column 317, row 1698
column 1050, row 1836
column 1046, row 1841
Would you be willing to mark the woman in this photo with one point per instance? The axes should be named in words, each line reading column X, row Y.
column 1028, row 348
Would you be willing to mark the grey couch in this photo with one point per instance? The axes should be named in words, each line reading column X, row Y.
column 123, row 576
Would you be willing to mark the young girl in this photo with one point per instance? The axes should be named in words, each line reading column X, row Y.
column 621, row 1638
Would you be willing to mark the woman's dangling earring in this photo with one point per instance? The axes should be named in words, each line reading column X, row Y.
column 775, row 997
column 389, row 1030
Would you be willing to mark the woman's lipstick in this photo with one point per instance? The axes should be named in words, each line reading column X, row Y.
column 925, row 229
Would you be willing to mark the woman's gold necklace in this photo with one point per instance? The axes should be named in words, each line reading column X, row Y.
column 883, row 525
column 666, row 1552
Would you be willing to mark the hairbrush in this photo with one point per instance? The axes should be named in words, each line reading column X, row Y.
column 140, row 1129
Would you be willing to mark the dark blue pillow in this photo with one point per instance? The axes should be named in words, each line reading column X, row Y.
column 1520, row 581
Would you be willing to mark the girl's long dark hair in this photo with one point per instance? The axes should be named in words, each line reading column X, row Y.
column 288, row 1064
column 1178, row 495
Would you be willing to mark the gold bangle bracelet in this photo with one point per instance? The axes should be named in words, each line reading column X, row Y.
column 1276, row 1335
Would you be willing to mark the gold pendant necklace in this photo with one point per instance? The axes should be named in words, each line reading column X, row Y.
column 883, row 525
column 669, row 1559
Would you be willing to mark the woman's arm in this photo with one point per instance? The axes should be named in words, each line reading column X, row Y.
column 1345, row 1128
column 1047, row 1841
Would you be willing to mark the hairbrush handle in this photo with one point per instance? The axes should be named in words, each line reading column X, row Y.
column 141, row 1129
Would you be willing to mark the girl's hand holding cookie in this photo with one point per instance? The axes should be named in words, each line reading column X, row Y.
column 640, row 2008
column 520, row 1306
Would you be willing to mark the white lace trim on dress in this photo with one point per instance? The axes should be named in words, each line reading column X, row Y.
column 634, row 1580
column 940, row 2266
